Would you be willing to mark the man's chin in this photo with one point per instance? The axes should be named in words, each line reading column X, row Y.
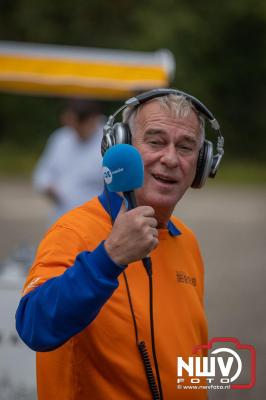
column 159, row 201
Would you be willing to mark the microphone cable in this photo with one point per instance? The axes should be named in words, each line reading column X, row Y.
column 148, row 266
column 156, row 390
column 143, row 349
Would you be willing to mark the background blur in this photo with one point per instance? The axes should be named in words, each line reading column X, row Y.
column 219, row 49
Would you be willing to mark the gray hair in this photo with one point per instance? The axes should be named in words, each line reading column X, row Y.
column 179, row 106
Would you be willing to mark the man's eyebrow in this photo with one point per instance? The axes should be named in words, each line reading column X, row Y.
column 187, row 138
column 153, row 131
column 190, row 139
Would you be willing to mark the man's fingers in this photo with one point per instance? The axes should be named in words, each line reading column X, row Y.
column 143, row 211
column 154, row 244
column 152, row 222
column 154, row 232
column 147, row 211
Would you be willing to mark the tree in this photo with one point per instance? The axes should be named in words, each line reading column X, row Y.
column 218, row 48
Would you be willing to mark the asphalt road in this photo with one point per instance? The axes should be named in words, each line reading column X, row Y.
column 230, row 223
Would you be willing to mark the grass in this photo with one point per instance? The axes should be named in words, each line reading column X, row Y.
column 242, row 172
column 15, row 162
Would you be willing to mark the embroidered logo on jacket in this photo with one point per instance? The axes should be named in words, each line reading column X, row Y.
column 182, row 277
column 33, row 284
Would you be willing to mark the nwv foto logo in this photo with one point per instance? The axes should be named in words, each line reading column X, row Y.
column 223, row 363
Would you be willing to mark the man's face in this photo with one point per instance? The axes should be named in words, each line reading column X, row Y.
column 169, row 147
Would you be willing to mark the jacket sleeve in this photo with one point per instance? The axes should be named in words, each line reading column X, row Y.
column 64, row 305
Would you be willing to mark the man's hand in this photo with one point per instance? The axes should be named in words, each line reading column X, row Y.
column 134, row 235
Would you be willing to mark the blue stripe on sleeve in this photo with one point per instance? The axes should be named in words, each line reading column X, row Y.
column 63, row 306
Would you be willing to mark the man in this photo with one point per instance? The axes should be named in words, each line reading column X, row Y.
column 87, row 279
column 69, row 170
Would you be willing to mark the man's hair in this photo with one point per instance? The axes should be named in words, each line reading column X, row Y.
column 179, row 106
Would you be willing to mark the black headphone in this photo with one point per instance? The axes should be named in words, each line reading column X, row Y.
column 208, row 163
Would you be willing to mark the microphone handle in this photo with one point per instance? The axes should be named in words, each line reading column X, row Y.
column 132, row 203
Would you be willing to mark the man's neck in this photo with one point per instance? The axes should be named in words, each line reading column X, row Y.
column 162, row 217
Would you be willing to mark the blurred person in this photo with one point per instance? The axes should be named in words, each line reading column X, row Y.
column 69, row 170
column 85, row 305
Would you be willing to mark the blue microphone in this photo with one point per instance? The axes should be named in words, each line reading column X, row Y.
column 123, row 171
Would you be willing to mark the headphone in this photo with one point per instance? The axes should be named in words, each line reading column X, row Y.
column 207, row 164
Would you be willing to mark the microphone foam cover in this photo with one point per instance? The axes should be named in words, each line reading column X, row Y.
column 123, row 168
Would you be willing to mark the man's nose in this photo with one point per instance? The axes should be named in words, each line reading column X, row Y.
column 170, row 157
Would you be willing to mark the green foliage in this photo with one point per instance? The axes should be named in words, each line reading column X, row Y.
column 241, row 172
column 218, row 46
column 26, row 121
column 15, row 160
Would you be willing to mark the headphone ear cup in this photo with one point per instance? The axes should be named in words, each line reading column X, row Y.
column 121, row 133
column 204, row 165
column 118, row 134
column 107, row 142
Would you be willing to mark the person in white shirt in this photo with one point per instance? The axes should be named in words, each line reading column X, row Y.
column 69, row 171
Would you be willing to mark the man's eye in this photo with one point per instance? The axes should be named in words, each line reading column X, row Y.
column 186, row 148
column 155, row 143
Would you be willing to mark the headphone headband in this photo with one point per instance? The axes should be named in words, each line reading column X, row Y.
column 120, row 132
column 152, row 94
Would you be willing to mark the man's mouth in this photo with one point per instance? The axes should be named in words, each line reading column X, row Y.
column 164, row 179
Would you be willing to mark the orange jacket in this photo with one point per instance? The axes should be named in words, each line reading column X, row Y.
column 102, row 360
